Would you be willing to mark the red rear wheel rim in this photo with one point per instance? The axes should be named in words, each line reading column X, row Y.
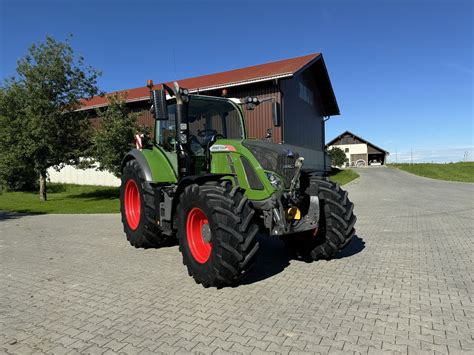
column 132, row 204
column 199, row 247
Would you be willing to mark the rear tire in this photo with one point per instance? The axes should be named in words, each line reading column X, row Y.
column 137, row 205
column 336, row 223
column 217, row 234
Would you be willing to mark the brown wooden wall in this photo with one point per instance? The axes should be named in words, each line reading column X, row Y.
column 143, row 108
column 260, row 119
column 347, row 139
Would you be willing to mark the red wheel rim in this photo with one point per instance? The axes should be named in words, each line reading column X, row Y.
column 132, row 204
column 199, row 247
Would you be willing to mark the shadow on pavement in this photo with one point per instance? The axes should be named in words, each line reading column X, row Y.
column 5, row 216
column 272, row 259
column 355, row 246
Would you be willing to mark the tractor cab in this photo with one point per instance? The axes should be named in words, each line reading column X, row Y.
column 208, row 119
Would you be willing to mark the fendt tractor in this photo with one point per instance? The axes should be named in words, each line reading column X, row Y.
column 200, row 180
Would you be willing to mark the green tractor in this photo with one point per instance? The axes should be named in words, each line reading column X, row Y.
column 199, row 179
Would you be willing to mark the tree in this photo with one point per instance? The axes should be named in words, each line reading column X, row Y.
column 16, row 170
column 338, row 157
column 40, row 127
column 115, row 136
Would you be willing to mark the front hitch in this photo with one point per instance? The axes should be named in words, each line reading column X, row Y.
column 281, row 221
column 292, row 212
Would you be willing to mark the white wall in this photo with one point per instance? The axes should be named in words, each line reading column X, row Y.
column 71, row 175
column 353, row 149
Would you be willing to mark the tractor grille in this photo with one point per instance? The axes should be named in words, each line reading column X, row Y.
column 274, row 157
column 286, row 168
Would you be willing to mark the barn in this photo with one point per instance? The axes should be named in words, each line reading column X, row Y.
column 359, row 151
column 298, row 88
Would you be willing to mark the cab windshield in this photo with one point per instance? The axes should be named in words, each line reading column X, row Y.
column 207, row 117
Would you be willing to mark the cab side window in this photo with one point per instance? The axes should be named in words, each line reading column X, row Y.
column 166, row 130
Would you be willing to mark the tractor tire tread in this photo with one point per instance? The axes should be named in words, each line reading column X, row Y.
column 233, row 233
column 148, row 234
column 337, row 222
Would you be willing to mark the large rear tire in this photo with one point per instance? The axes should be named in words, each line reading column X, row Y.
column 217, row 234
column 137, row 205
column 336, row 223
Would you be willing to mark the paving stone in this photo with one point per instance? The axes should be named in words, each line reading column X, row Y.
column 204, row 349
column 242, row 349
column 225, row 345
column 115, row 345
column 72, row 284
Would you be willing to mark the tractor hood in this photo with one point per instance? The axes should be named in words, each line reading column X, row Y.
column 279, row 158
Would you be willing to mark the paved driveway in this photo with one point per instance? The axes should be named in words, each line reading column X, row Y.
column 405, row 283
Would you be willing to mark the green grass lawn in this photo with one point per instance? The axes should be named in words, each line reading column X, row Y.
column 64, row 198
column 463, row 171
column 343, row 176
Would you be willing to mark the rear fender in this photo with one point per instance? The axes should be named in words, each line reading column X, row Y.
column 155, row 165
column 135, row 154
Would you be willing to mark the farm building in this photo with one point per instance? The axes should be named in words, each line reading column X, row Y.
column 299, row 89
column 359, row 151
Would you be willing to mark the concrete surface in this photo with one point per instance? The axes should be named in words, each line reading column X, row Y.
column 72, row 284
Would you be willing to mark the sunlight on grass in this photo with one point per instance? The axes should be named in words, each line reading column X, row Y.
column 64, row 198
column 343, row 176
column 463, row 171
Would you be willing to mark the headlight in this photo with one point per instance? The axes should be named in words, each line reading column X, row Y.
column 274, row 180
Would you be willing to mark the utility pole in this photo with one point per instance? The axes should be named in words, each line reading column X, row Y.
column 411, row 156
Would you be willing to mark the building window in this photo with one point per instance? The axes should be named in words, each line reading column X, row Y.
column 306, row 94
column 346, row 150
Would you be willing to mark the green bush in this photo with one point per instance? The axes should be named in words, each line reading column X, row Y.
column 338, row 157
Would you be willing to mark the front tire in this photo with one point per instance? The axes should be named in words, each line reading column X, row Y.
column 336, row 223
column 137, row 205
column 217, row 234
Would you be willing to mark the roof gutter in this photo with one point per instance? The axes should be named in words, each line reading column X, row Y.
column 243, row 82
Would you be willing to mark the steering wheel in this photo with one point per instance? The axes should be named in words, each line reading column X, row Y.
column 206, row 132
column 217, row 136
column 210, row 140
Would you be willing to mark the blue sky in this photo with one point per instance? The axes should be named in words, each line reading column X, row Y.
column 402, row 70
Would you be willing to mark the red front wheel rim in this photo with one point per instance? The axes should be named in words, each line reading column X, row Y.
column 132, row 204
column 199, row 242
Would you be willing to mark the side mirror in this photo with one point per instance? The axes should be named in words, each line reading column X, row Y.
column 159, row 108
column 276, row 114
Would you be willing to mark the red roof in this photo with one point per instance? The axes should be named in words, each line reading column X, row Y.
column 256, row 73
